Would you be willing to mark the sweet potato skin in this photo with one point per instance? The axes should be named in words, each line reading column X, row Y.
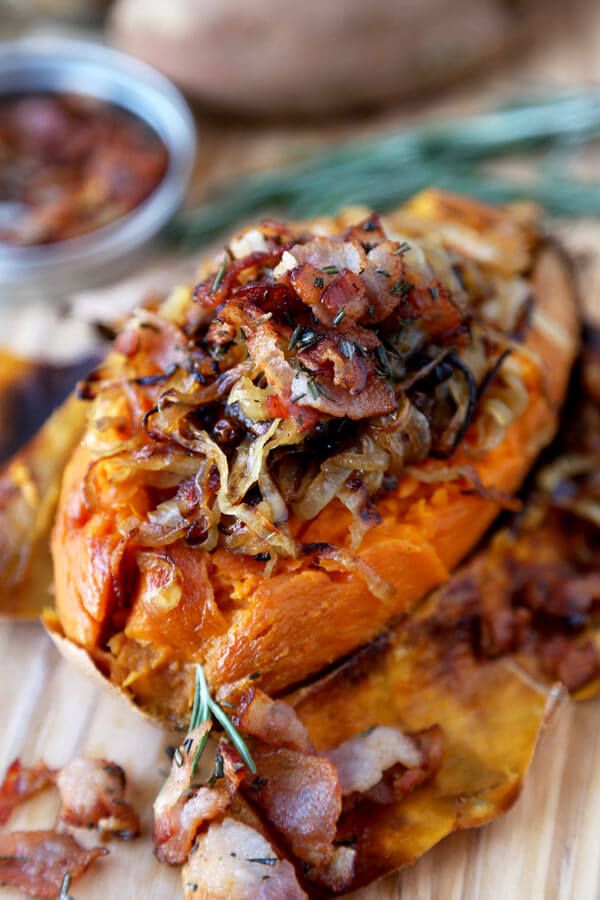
column 302, row 619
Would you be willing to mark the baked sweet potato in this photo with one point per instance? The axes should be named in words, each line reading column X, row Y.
column 403, row 373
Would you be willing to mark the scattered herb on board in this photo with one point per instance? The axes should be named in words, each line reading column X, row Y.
column 383, row 171
column 64, row 887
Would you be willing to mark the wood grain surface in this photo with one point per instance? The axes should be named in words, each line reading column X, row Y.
column 547, row 847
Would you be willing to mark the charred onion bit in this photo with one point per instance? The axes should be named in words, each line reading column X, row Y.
column 305, row 367
column 21, row 782
column 92, row 794
column 36, row 861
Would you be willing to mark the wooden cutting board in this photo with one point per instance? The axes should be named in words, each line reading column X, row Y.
column 545, row 848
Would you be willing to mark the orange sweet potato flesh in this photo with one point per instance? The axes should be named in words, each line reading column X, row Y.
column 294, row 624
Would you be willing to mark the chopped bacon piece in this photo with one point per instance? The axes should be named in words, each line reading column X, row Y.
column 431, row 744
column 331, row 253
column 327, row 295
column 362, row 760
column 435, row 309
column 209, row 294
column 327, row 359
column 377, row 398
column 367, row 232
column 180, row 810
column 385, row 280
column 573, row 664
column 37, row 861
column 301, row 797
column 92, row 794
column 21, row 782
column 273, row 721
column 337, row 875
column 232, row 861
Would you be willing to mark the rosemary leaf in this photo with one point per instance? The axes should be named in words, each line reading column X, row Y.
column 202, row 708
column 233, row 735
column 64, row 887
column 385, row 170
column 220, row 273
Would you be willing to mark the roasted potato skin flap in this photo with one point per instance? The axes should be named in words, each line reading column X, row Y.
column 490, row 716
column 29, row 489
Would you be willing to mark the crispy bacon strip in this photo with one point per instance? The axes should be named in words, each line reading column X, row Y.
column 272, row 721
column 92, row 794
column 22, row 782
column 302, row 798
column 362, row 760
column 37, row 861
column 180, row 810
column 232, row 861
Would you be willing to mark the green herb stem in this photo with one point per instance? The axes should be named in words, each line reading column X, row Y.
column 385, row 170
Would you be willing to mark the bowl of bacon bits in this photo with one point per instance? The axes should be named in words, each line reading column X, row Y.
column 96, row 151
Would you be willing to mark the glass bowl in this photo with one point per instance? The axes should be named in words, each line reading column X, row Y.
column 53, row 271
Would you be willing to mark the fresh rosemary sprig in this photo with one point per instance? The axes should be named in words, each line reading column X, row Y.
column 221, row 272
column 202, row 708
column 64, row 887
column 383, row 171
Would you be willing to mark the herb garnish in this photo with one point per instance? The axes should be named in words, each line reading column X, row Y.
column 402, row 249
column 303, row 338
column 295, row 337
column 263, row 860
column 312, row 388
column 330, row 270
column 338, row 316
column 321, row 389
column 221, row 272
column 202, row 708
column 382, row 362
column 402, row 287
column 347, row 348
column 319, row 283
column 218, row 771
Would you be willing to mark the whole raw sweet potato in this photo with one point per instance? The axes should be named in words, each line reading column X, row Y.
column 272, row 57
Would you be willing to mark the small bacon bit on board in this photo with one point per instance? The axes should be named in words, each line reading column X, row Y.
column 362, row 760
column 232, row 861
column 273, row 721
column 180, row 810
column 92, row 795
column 22, row 782
column 37, row 861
